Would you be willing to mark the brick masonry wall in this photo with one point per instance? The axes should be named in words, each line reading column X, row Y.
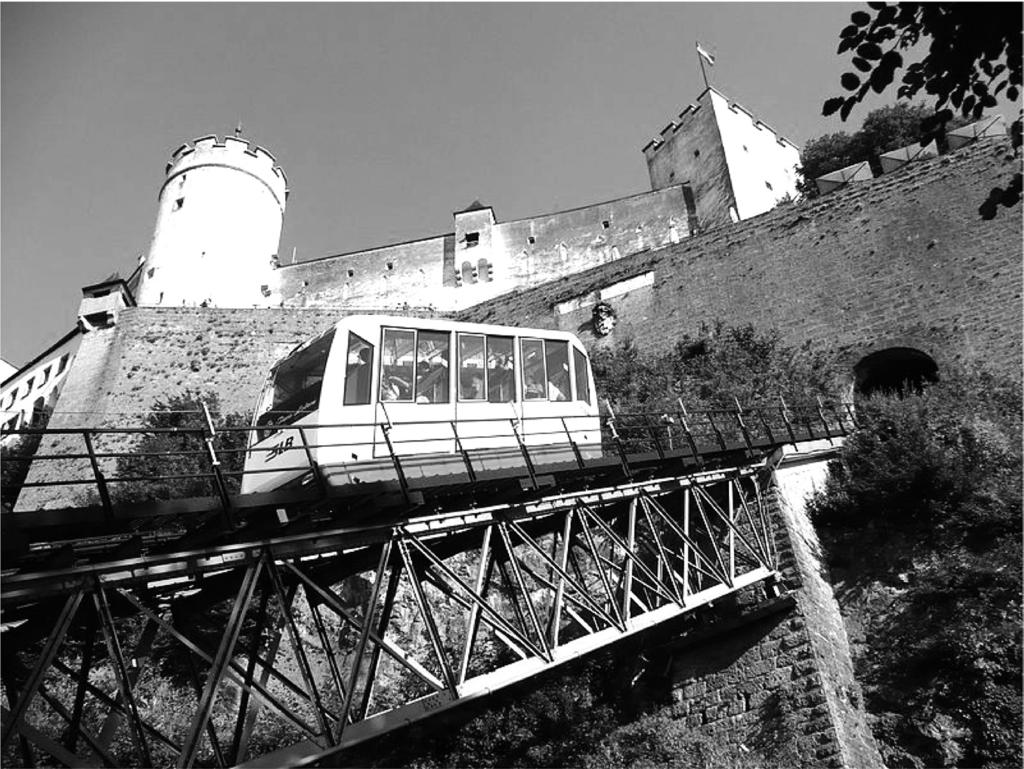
column 902, row 260
column 782, row 686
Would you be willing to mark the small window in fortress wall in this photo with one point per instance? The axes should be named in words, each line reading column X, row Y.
column 769, row 185
column 696, row 153
column 472, row 239
column 63, row 363
column 351, row 273
column 606, row 224
column 391, row 265
column 531, row 240
column 178, row 203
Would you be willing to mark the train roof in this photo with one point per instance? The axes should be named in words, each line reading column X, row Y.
column 438, row 324
column 443, row 324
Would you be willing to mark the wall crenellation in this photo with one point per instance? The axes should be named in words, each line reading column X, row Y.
column 184, row 157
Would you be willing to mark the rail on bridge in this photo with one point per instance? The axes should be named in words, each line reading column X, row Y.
column 309, row 620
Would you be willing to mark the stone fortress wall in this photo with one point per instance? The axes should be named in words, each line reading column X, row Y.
column 903, row 260
column 484, row 258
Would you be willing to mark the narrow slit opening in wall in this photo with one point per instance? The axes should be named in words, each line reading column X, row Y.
column 179, row 203
column 531, row 240
column 351, row 273
column 391, row 265
column 606, row 224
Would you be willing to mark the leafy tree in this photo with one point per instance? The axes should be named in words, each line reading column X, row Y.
column 823, row 156
column 173, row 459
column 720, row 365
column 974, row 56
column 884, row 129
column 923, row 514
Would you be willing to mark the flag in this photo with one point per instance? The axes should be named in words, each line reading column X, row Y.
column 705, row 55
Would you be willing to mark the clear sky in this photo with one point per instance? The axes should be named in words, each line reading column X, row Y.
column 385, row 117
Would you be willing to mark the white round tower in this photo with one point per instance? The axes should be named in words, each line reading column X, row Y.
column 218, row 227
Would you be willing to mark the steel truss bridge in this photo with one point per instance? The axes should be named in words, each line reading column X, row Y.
column 307, row 621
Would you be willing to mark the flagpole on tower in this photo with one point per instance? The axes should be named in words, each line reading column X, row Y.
column 702, row 56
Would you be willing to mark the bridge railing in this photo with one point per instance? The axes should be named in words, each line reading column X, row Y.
column 107, row 466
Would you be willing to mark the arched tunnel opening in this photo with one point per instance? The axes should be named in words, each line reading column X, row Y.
column 896, row 371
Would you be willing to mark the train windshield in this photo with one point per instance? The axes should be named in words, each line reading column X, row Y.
column 294, row 388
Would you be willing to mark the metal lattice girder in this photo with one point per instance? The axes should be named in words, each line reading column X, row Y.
column 453, row 606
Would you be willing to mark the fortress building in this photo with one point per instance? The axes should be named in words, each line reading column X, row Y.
column 222, row 203
column 702, row 244
column 716, row 165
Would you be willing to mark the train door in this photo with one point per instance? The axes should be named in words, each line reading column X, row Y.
column 415, row 397
column 486, row 399
column 347, row 412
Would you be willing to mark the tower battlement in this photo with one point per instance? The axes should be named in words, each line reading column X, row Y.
column 232, row 152
column 737, row 165
column 219, row 215
column 684, row 117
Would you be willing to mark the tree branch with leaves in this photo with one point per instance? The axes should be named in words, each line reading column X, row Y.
column 974, row 57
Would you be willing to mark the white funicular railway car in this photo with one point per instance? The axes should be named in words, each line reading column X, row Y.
column 434, row 393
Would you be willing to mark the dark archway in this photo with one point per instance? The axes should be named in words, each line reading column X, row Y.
column 896, row 371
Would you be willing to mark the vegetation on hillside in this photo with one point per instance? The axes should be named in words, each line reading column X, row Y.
column 922, row 522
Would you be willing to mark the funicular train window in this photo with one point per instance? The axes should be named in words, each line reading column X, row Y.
column 295, row 386
column 414, row 366
column 432, row 366
column 582, row 376
column 557, row 356
column 397, row 364
column 501, row 383
column 534, row 376
column 486, row 368
column 472, row 372
column 358, row 371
